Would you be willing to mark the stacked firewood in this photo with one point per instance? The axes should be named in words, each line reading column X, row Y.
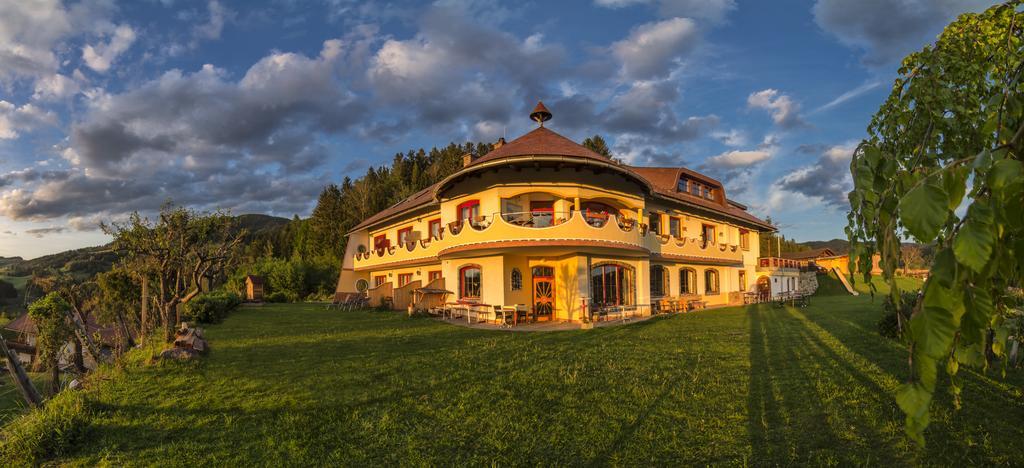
column 188, row 343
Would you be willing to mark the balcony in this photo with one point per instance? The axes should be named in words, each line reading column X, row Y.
column 770, row 264
column 579, row 230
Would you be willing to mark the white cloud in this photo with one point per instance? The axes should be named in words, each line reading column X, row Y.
column 653, row 50
column 846, row 96
column 14, row 119
column 713, row 10
column 826, row 181
column 32, row 32
column 889, row 29
column 99, row 57
column 784, row 110
column 54, row 87
column 733, row 137
column 219, row 15
column 735, row 158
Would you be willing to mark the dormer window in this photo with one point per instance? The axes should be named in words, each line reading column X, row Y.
column 696, row 188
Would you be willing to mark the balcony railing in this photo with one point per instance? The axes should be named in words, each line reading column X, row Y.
column 577, row 226
column 783, row 264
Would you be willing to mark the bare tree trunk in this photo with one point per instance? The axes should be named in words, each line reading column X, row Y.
column 144, row 317
column 169, row 320
column 82, row 332
column 20, row 378
column 79, row 360
column 123, row 323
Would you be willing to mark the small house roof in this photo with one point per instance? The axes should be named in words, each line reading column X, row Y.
column 25, row 325
column 22, row 325
column 809, row 254
column 255, row 280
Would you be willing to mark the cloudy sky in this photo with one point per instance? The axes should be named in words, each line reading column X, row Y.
column 109, row 108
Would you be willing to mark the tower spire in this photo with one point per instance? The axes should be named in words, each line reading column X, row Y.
column 540, row 114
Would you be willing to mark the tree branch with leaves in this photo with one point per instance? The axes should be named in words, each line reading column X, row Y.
column 942, row 164
column 179, row 251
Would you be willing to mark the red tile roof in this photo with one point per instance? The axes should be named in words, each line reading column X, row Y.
column 809, row 254
column 541, row 141
column 544, row 142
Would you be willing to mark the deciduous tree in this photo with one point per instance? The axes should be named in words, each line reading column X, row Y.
column 942, row 164
column 178, row 251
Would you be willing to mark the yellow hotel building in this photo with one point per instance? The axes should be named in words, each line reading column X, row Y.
column 544, row 222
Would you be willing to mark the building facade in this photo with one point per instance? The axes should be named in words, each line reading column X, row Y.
column 544, row 222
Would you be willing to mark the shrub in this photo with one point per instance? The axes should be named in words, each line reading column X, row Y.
column 889, row 325
column 211, row 307
column 280, row 296
column 44, row 432
column 7, row 290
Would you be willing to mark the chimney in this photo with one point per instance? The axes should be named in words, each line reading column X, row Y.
column 499, row 143
column 467, row 159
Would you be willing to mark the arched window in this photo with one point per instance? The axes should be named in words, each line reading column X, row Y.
column 710, row 281
column 687, row 281
column 469, row 282
column 659, row 281
column 612, row 284
column 517, row 279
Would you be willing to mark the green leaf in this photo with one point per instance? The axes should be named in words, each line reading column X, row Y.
column 978, row 305
column 924, row 210
column 972, row 355
column 999, row 340
column 935, row 325
column 973, row 244
column 952, row 366
column 943, row 268
column 914, row 399
column 1004, row 173
column 955, row 182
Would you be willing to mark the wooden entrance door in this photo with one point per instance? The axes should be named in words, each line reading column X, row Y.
column 543, row 293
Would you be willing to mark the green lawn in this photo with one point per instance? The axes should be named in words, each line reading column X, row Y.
column 299, row 385
column 11, row 401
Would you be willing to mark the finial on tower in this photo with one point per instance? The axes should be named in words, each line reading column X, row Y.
column 540, row 114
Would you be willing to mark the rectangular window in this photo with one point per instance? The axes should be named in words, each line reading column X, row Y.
column 469, row 211
column 654, row 221
column 469, row 282
column 404, row 235
column 744, row 239
column 707, row 234
column 434, row 275
column 379, row 280
column 381, row 242
column 659, row 285
column 743, row 281
column 434, row 226
column 542, row 213
column 674, row 227
column 404, row 279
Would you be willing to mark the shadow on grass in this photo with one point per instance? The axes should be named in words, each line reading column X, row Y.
column 806, row 398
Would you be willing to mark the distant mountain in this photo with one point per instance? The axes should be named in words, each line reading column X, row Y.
column 6, row 261
column 88, row 261
column 259, row 224
column 839, row 246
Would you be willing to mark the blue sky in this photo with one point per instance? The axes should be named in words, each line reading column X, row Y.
column 109, row 108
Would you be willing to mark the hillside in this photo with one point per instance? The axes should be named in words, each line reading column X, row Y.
column 839, row 246
column 88, row 261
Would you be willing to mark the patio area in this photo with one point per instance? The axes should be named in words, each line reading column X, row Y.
column 555, row 325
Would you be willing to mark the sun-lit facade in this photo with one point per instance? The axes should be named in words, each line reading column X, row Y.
column 544, row 222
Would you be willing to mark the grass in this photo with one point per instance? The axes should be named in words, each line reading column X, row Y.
column 299, row 385
column 13, row 306
column 11, row 401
